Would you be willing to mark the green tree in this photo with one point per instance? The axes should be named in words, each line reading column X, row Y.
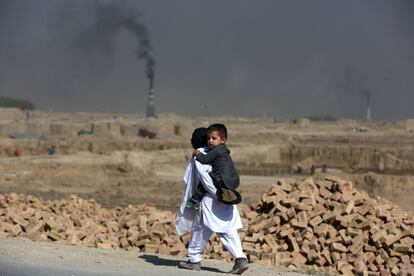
column 15, row 102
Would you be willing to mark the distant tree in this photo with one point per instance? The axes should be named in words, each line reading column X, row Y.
column 321, row 118
column 19, row 103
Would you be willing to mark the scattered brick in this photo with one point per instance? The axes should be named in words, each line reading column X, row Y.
column 304, row 224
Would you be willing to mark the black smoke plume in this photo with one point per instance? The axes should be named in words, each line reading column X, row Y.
column 91, row 27
column 144, row 51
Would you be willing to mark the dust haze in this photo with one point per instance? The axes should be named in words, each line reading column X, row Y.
column 274, row 58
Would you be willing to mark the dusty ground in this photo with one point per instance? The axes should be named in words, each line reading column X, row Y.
column 24, row 257
column 118, row 179
column 120, row 170
column 123, row 178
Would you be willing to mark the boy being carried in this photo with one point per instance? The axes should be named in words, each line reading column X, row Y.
column 224, row 174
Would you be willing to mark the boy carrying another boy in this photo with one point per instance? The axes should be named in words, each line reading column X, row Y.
column 212, row 216
column 224, row 174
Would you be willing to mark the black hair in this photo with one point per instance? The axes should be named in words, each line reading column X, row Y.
column 199, row 138
column 220, row 128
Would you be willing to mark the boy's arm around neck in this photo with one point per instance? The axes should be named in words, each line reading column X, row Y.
column 209, row 157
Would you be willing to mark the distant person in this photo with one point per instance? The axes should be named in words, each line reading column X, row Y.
column 297, row 169
column 51, row 150
column 17, row 152
column 324, row 168
column 312, row 169
column 300, row 169
column 224, row 174
column 212, row 216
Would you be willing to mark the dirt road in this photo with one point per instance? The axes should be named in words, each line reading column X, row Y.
column 24, row 257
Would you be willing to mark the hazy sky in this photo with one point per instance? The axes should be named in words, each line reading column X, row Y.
column 243, row 58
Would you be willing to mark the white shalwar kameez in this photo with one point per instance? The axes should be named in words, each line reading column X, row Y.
column 213, row 216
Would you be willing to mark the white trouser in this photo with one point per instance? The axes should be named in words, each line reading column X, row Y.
column 201, row 234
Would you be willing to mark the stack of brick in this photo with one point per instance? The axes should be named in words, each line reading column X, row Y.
column 327, row 223
column 308, row 224
column 78, row 221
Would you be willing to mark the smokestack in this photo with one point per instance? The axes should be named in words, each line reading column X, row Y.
column 151, row 100
column 367, row 95
column 144, row 52
column 368, row 113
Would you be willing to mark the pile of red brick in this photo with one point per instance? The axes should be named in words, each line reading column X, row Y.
column 306, row 224
column 84, row 222
column 327, row 223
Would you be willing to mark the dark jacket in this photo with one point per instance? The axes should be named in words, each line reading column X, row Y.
column 222, row 166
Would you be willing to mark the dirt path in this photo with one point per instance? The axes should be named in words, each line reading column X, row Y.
column 24, row 257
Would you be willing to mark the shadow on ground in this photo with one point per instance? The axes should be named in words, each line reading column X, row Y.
column 156, row 260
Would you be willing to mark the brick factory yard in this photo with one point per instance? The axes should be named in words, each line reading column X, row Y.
column 101, row 157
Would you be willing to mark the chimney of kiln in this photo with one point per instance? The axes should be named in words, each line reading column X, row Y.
column 151, row 101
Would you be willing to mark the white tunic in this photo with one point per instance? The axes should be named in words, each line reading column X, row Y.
column 185, row 216
column 217, row 216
